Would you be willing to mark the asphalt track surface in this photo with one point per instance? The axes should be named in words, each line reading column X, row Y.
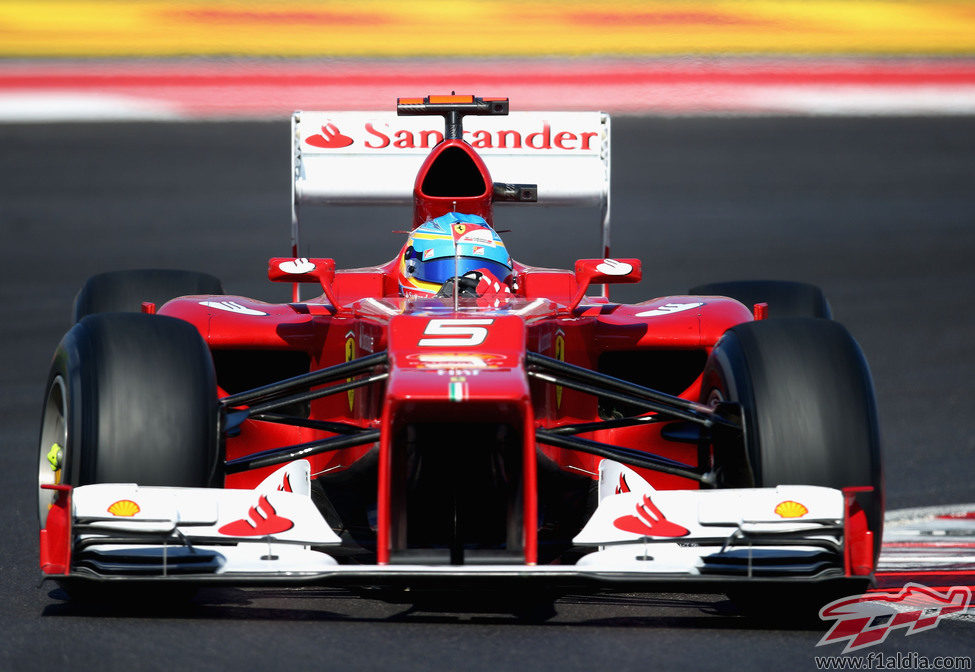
column 880, row 212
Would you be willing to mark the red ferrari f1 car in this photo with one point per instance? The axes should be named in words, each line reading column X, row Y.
column 453, row 421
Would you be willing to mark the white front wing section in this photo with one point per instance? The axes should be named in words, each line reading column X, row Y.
column 674, row 531
column 641, row 529
column 268, row 529
column 636, row 532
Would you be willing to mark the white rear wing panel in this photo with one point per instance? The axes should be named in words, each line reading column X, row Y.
column 373, row 157
column 359, row 158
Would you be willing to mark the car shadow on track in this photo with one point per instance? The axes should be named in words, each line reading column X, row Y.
column 334, row 605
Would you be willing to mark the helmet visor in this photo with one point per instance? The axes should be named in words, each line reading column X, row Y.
column 441, row 269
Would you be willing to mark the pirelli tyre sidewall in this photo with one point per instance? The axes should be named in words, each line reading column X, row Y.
column 784, row 298
column 136, row 396
column 125, row 291
column 808, row 406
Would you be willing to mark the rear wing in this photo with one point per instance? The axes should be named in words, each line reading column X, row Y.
column 359, row 158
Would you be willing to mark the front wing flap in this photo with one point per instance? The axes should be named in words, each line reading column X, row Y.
column 637, row 536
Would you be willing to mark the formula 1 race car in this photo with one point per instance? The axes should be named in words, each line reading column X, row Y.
column 453, row 422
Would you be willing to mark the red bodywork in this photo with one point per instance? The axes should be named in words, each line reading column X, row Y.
column 462, row 363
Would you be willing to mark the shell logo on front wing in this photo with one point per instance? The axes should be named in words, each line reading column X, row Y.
column 124, row 507
column 791, row 509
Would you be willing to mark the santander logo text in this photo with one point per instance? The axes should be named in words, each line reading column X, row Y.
column 484, row 139
column 372, row 135
column 866, row 620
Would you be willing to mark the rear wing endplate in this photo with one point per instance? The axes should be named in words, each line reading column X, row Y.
column 360, row 158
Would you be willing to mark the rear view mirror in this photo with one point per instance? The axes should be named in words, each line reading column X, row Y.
column 604, row 272
column 291, row 269
column 608, row 271
column 301, row 269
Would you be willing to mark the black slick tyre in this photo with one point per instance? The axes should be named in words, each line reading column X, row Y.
column 784, row 298
column 130, row 398
column 125, row 291
column 808, row 404
column 808, row 407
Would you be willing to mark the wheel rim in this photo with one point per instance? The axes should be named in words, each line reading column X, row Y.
column 52, row 448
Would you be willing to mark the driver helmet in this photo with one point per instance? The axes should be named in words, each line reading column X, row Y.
column 452, row 245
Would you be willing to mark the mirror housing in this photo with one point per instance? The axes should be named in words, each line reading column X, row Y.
column 301, row 270
column 604, row 272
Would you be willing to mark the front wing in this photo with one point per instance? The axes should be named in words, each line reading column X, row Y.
column 638, row 538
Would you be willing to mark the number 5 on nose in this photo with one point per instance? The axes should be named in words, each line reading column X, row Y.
column 448, row 332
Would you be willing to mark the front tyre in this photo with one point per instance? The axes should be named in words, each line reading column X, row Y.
column 808, row 406
column 125, row 291
column 810, row 418
column 784, row 298
column 130, row 398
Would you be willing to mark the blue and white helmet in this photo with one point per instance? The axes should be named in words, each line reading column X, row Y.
column 448, row 246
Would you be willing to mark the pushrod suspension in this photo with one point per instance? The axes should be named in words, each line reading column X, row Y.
column 305, row 380
column 275, row 456
column 578, row 378
column 626, row 455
